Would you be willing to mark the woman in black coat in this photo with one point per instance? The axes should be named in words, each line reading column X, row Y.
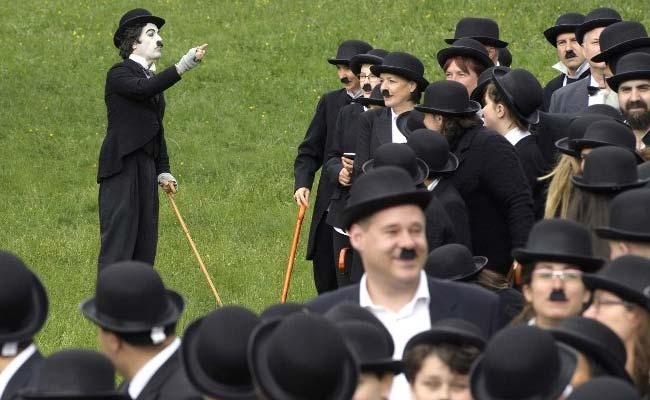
column 490, row 178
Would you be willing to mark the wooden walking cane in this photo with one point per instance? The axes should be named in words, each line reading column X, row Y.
column 292, row 253
column 170, row 196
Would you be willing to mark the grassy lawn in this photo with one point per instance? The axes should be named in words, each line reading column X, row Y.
column 232, row 129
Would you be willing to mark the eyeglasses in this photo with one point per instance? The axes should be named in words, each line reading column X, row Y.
column 371, row 77
column 566, row 275
column 597, row 303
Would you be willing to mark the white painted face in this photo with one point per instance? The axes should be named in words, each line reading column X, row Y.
column 149, row 43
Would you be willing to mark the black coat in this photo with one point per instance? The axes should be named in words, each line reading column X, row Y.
column 448, row 300
column 570, row 99
column 456, row 209
column 312, row 154
column 535, row 166
column 135, row 108
column 550, row 129
column 556, row 83
column 375, row 129
column 24, row 377
column 439, row 227
column 499, row 201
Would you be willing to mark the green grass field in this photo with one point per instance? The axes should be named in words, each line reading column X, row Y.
column 232, row 128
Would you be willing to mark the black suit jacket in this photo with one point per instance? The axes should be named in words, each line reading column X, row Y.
column 24, row 377
column 439, row 227
column 535, row 166
column 499, row 201
column 168, row 383
column 557, row 83
column 456, row 209
column 375, row 129
column 312, row 153
column 448, row 300
column 135, row 108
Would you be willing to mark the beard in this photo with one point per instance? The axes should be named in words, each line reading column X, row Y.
column 638, row 121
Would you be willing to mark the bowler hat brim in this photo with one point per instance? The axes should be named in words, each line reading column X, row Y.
column 446, row 334
column 174, row 310
column 445, row 54
column 422, row 170
column 200, row 379
column 338, row 61
column 36, row 318
column 358, row 211
column 607, row 187
column 595, row 281
column 479, row 263
column 394, row 367
column 586, row 264
column 564, row 147
column 616, row 80
column 31, row 393
column 579, row 144
column 403, row 72
column 141, row 19
column 582, row 29
column 532, row 118
column 369, row 101
column 607, row 232
column 472, row 108
column 451, row 166
column 486, row 40
column 621, row 48
column 357, row 61
column 552, row 33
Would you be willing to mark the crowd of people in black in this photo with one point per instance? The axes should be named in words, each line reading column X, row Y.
column 479, row 237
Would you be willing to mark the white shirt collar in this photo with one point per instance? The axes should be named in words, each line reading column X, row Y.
column 422, row 293
column 354, row 95
column 15, row 364
column 396, row 135
column 143, row 376
column 433, row 184
column 142, row 61
column 563, row 69
column 515, row 135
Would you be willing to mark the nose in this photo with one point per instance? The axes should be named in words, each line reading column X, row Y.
column 558, row 282
column 406, row 240
column 634, row 95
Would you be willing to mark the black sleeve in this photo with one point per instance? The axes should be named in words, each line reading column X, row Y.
column 333, row 165
column 310, row 151
column 162, row 164
column 363, row 141
column 123, row 81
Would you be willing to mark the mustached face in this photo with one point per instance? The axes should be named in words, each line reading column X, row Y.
column 569, row 50
column 347, row 77
column 634, row 100
column 396, row 90
column 557, row 295
column 569, row 54
column 150, row 44
column 367, row 88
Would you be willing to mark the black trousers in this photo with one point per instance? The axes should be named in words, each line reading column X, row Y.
column 128, row 212
column 323, row 261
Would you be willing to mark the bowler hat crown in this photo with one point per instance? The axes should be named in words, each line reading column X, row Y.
column 133, row 17
column 596, row 341
column 630, row 67
column 621, row 37
column 23, row 300
column 281, row 310
column 348, row 49
column 564, row 24
column 599, row 17
column 484, row 30
column 522, row 92
column 398, row 155
column 375, row 99
column 466, row 47
column 628, row 277
column 374, row 56
column 453, row 262
column 629, row 217
column 504, row 57
column 484, row 79
column 130, row 298
column 577, row 129
column 431, row 147
column 379, row 189
column 75, row 374
column 371, row 347
column 522, row 362
column 606, row 133
column 605, row 388
column 302, row 356
column 609, row 169
column 219, row 367
column 603, row 110
column 410, row 121
column 346, row 312
column 447, row 98
column 559, row 240
column 454, row 331
column 402, row 64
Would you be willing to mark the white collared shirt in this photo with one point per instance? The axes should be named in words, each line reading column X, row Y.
column 604, row 96
column 143, row 376
column 397, row 136
column 515, row 135
column 354, row 95
column 563, row 69
column 412, row 319
column 433, row 184
column 15, row 364
column 142, row 61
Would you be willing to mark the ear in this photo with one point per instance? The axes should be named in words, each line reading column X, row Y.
column 528, row 295
column 412, row 86
column 492, row 53
column 356, row 236
column 500, row 110
column 112, row 342
column 586, row 297
column 386, row 384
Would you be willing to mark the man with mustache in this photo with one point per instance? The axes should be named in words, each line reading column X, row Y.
column 133, row 159
column 386, row 221
column 312, row 154
column 572, row 63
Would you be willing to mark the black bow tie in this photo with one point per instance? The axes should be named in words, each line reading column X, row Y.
column 593, row 90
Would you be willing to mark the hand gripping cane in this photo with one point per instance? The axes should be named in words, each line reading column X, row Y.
column 292, row 253
column 170, row 196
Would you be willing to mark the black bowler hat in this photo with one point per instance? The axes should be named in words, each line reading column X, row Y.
column 398, row 155
column 375, row 99
column 302, row 356
column 609, row 169
column 596, row 341
column 130, row 298
column 630, row 67
column 466, row 47
column 369, row 345
column 628, row 277
column 404, row 65
column 347, row 50
column 133, row 17
column 374, row 57
column 23, row 301
column 619, row 38
column 484, row 79
column 603, row 109
column 629, row 217
column 75, row 374
column 600, row 17
column 347, row 311
column 607, row 133
column 605, row 388
column 214, row 353
column 566, row 23
column 431, row 147
column 524, row 363
column 281, row 310
column 522, row 93
column 454, row 331
column 576, row 129
column 410, row 121
column 453, row 262
column 559, row 240
column 504, row 57
column 448, row 98
column 484, row 30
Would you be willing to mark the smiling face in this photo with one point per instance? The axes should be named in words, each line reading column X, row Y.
column 396, row 90
column 634, row 102
column 149, row 44
column 467, row 76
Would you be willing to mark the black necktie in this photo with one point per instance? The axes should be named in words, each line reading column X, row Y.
column 593, row 90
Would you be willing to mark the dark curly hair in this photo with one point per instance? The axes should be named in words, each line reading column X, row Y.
column 129, row 36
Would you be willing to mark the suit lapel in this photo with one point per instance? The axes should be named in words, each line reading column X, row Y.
column 158, row 380
column 23, row 377
column 442, row 304
column 384, row 127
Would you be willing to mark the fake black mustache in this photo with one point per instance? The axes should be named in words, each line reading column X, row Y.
column 557, row 295
column 407, row 254
column 569, row 55
column 636, row 104
column 385, row 93
column 345, row 80
column 367, row 88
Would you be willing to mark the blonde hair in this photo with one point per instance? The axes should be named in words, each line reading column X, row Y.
column 560, row 188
